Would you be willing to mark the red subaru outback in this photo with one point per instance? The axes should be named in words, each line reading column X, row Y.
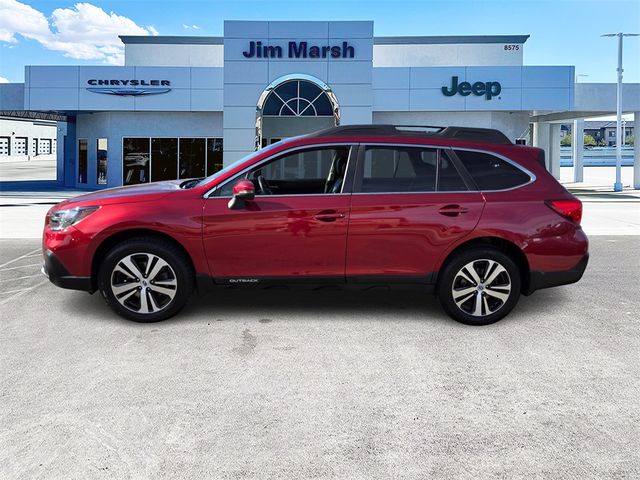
column 462, row 210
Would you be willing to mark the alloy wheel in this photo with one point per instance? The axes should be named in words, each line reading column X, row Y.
column 481, row 287
column 144, row 283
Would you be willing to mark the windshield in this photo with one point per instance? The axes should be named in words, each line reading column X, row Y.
column 219, row 173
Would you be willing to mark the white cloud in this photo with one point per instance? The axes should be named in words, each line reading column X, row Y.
column 4, row 80
column 85, row 32
column 190, row 27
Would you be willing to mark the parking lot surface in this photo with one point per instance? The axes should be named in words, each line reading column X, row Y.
column 322, row 384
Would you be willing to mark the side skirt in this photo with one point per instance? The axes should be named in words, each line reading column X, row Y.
column 206, row 284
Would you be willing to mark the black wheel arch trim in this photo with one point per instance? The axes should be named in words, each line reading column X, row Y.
column 61, row 277
column 540, row 280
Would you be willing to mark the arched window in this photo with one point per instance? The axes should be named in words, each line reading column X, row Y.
column 298, row 98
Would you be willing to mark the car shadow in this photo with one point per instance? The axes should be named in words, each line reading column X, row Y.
column 266, row 305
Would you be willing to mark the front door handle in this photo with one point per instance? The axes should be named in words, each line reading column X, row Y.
column 328, row 216
column 452, row 210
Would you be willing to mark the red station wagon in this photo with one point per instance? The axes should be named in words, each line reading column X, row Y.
column 461, row 210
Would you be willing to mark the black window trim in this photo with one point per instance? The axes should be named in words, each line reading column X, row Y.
column 357, row 185
column 347, row 185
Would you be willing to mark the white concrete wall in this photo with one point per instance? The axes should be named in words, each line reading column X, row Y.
column 445, row 55
column 246, row 79
column 415, row 55
column 66, row 88
column 170, row 55
column 544, row 88
column 601, row 97
column 32, row 131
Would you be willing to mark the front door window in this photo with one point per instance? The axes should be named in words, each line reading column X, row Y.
column 314, row 171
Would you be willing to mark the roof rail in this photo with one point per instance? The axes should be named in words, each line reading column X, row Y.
column 488, row 135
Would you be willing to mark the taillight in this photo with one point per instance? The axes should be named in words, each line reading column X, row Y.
column 571, row 209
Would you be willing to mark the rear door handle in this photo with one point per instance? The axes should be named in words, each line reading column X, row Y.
column 328, row 216
column 452, row 210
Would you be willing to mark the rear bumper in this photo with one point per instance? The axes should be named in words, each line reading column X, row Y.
column 60, row 276
column 540, row 280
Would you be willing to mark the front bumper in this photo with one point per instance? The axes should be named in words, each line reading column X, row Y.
column 60, row 276
column 540, row 280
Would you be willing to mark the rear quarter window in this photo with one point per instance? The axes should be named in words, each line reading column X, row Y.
column 490, row 172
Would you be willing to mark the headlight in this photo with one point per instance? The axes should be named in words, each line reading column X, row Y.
column 62, row 219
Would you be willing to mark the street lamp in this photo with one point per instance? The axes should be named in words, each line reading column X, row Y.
column 617, row 187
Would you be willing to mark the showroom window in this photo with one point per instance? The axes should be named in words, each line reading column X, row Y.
column 164, row 152
column 101, row 161
column 192, row 157
column 82, row 160
column 214, row 155
column 135, row 158
column 169, row 158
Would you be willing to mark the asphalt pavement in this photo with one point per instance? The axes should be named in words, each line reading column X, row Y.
column 322, row 384
column 36, row 168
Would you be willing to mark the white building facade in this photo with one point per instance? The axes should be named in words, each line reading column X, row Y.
column 182, row 107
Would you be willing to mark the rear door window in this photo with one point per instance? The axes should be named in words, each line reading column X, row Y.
column 399, row 169
column 490, row 172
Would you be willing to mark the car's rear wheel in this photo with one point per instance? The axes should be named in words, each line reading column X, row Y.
column 146, row 279
column 479, row 286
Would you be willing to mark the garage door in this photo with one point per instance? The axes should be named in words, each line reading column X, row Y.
column 44, row 146
column 4, row 145
column 20, row 146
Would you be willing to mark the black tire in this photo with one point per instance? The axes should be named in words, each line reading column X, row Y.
column 160, row 306
column 495, row 308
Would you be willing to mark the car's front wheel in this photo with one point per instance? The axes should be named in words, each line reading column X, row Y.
column 479, row 286
column 146, row 279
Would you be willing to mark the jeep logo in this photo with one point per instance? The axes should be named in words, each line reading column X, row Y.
column 488, row 89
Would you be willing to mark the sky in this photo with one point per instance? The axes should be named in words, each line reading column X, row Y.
column 563, row 32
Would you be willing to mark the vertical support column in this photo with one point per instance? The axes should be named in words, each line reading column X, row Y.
column 577, row 148
column 69, row 153
column 636, row 151
column 61, row 129
column 554, row 150
column 541, row 137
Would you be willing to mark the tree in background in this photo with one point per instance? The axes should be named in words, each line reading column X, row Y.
column 630, row 140
column 588, row 141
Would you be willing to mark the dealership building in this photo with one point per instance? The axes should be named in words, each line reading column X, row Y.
column 183, row 107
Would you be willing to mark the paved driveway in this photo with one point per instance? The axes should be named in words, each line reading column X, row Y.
column 322, row 384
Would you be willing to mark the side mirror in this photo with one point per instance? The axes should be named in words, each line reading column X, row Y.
column 242, row 191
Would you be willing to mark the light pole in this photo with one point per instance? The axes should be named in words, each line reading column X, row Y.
column 617, row 187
